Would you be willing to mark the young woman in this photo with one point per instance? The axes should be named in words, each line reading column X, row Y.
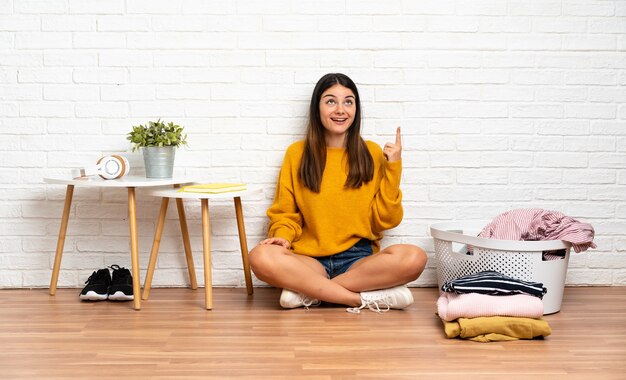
column 335, row 196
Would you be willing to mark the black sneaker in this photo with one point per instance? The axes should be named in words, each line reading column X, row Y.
column 121, row 288
column 97, row 288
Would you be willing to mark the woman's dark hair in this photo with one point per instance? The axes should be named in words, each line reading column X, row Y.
column 360, row 161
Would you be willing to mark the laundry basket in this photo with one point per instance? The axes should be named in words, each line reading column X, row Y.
column 459, row 252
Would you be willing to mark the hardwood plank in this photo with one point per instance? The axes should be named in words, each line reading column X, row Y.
column 174, row 337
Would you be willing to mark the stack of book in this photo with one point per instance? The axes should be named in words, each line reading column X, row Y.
column 214, row 188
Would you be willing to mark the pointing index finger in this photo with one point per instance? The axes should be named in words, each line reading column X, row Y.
column 398, row 137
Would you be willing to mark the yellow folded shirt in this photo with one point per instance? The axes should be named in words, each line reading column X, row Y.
column 486, row 329
column 213, row 188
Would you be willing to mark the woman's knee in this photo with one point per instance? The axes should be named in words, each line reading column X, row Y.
column 257, row 256
column 262, row 259
column 413, row 260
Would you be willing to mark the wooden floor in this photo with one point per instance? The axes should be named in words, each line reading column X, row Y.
column 173, row 337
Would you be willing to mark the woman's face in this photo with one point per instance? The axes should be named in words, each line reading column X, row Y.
column 337, row 109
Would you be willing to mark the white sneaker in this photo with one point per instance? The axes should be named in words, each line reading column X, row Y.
column 382, row 300
column 290, row 300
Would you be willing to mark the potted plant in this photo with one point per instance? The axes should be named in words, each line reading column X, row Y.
column 158, row 142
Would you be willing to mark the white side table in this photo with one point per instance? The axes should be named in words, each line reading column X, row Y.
column 166, row 194
column 129, row 182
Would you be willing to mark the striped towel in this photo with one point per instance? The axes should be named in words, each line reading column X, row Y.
column 494, row 283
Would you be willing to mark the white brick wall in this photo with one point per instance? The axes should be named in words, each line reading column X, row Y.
column 503, row 104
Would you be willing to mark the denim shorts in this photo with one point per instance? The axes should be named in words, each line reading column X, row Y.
column 340, row 262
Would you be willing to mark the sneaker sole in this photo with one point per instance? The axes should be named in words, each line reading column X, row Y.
column 93, row 296
column 120, row 296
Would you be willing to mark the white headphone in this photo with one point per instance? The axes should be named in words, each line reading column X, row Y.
column 108, row 167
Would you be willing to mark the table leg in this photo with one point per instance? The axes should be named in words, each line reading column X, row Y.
column 244, row 245
column 156, row 243
column 206, row 251
column 185, row 232
column 134, row 247
column 61, row 240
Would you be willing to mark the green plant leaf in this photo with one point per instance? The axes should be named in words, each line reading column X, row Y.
column 157, row 133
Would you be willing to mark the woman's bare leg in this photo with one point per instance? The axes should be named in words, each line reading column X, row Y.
column 395, row 265
column 282, row 268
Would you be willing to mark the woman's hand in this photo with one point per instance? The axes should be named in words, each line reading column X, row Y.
column 393, row 151
column 276, row 241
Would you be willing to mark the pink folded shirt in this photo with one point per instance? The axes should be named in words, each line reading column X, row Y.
column 540, row 224
column 451, row 306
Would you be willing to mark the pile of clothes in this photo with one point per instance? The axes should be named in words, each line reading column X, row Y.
column 538, row 224
column 490, row 306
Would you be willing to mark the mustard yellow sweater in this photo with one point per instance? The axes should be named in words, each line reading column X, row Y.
column 333, row 220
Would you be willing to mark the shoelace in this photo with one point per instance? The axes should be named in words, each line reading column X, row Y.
column 94, row 276
column 120, row 274
column 373, row 305
column 308, row 301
